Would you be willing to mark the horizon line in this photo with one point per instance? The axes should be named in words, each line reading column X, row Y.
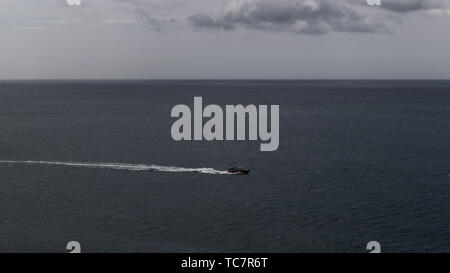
column 227, row 79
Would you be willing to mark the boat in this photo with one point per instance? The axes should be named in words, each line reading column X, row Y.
column 238, row 170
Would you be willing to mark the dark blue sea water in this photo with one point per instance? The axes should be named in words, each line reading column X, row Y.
column 358, row 161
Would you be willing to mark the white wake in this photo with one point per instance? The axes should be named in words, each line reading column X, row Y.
column 120, row 166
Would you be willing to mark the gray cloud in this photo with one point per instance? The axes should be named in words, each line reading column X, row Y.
column 403, row 6
column 312, row 16
column 299, row 16
column 143, row 11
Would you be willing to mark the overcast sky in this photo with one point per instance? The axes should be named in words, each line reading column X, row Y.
column 276, row 39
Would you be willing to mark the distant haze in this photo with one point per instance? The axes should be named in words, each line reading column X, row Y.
column 214, row 39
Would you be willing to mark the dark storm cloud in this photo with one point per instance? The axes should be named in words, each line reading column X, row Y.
column 300, row 16
column 403, row 6
column 295, row 16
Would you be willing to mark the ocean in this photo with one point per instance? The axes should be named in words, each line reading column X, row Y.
column 94, row 162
